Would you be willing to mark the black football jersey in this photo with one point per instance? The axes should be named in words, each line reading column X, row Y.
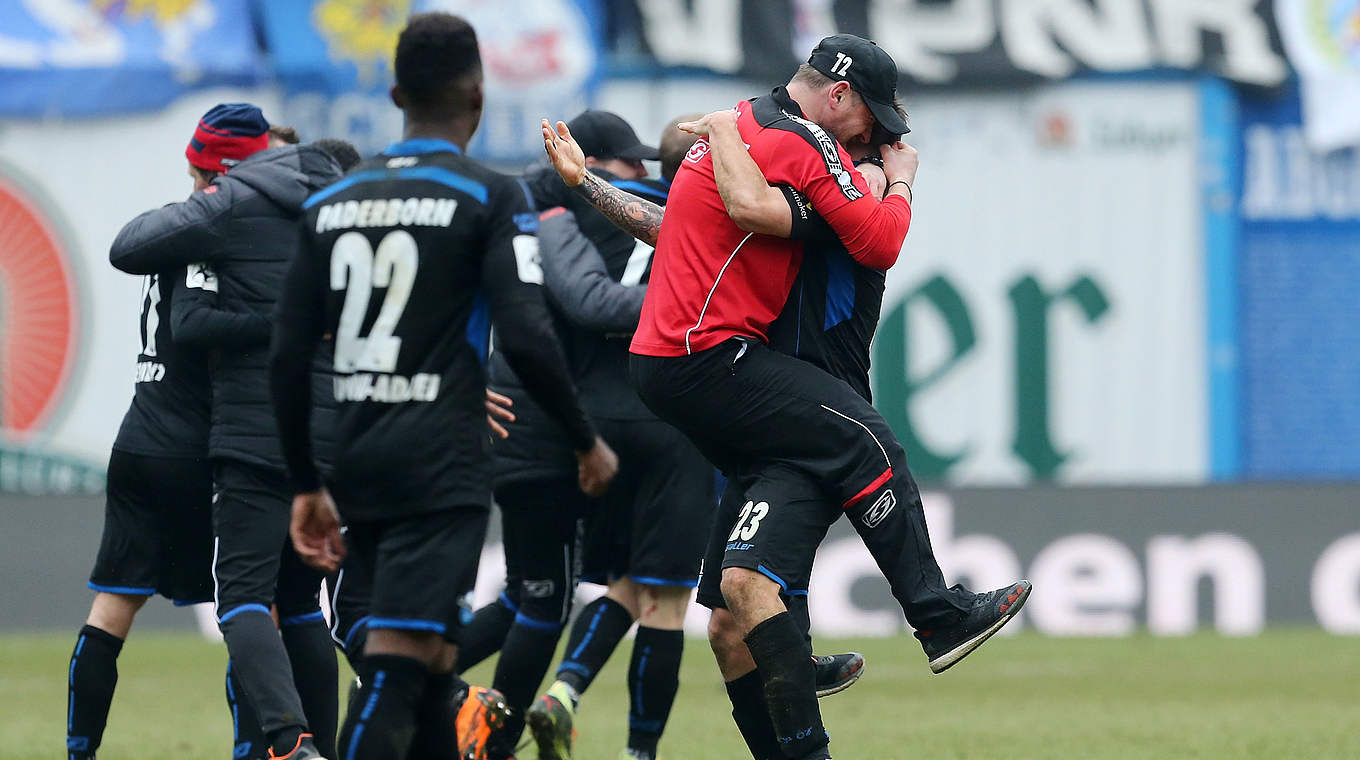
column 833, row 307
column 169, row 415
column 405, row 262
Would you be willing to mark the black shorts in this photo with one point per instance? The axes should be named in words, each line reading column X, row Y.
column 772, row 522
column 746, row 406
column 419, row 571
column 543, row 525
column 652, row 523
column 157, row 529
column 254, row 563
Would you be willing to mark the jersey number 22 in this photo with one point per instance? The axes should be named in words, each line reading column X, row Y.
column 357, row 269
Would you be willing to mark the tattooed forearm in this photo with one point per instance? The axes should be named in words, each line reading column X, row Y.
column 636, row 216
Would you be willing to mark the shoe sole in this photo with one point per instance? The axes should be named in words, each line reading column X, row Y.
column 847, row 683
column 545, row 735
column 951, row 658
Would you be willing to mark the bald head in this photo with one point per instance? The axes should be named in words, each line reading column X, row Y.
column 675, row 144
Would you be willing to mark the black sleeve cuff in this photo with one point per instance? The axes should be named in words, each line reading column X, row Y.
column 801, row 209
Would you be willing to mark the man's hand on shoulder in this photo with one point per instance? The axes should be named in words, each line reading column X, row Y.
column 704, row 127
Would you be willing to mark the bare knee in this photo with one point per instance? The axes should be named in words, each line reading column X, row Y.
column 627, row 594
column 113, row 613
column 662, row 607
column 724, row 636
column 748, row 590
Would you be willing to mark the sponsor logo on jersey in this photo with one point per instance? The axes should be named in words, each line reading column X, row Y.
column 386, row 212
column 697, row 151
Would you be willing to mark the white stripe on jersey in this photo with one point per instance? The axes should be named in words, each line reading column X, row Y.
column 711, row 290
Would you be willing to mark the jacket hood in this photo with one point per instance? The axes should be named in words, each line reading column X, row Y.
column 287, row 175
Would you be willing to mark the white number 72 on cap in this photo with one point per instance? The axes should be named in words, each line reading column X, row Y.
column 842, row 64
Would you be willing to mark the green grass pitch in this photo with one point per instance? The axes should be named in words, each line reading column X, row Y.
column 1286, row 694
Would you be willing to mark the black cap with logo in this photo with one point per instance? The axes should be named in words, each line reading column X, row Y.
column 868, row 69
column 602, row 134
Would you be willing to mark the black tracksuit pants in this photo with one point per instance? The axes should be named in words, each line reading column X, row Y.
column 752, row 410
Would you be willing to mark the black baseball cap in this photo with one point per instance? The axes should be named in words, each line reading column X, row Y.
column 602, row 134
column 868, row 69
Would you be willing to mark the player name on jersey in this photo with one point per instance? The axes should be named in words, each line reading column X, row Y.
column 388, row 389
column 386, row 212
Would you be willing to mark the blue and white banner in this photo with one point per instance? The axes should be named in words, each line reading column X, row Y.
column 93, row 57
column 334, row 60
column 1300, row 318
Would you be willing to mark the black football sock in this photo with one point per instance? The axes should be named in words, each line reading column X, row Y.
column 248, row 739
column 485, row 634
column 385, row 724
column 260, row 663
column 785, row 665
column 90, row 683
column 436, row 735
column 653, row 680
column 598, row 630
column 752, row 716
column 315, row 674
column 525, row 658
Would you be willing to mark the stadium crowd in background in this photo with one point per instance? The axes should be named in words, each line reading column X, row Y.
column 741, row 344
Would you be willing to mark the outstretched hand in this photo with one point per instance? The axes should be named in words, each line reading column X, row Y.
column 566, row 156
column 705, row 125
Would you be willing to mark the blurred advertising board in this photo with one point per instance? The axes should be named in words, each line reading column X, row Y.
column 1044, row 323
column 69, row 322
column 1045, row 319
column 954, row 42
column 1300, row 320
column 333, row 59
column 61, row 58
column 1104, row 561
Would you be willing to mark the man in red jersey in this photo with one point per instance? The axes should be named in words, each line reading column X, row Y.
column 700, row 361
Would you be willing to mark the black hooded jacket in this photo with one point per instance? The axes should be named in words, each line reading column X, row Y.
column 595, row 275
column 237, row 238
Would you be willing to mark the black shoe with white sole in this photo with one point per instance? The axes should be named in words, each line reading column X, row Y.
column 946, row 646
column 837, row 672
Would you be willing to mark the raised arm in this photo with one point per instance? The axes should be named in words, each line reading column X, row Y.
column 872, row 231
column 752, row 203
column 636, row 216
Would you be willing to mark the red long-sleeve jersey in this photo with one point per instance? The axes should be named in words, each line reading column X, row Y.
column 710, row 280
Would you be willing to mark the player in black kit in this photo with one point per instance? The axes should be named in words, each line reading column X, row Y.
column 407, row 262
column 241, row 231
column 158, row 519
column 829, row 321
